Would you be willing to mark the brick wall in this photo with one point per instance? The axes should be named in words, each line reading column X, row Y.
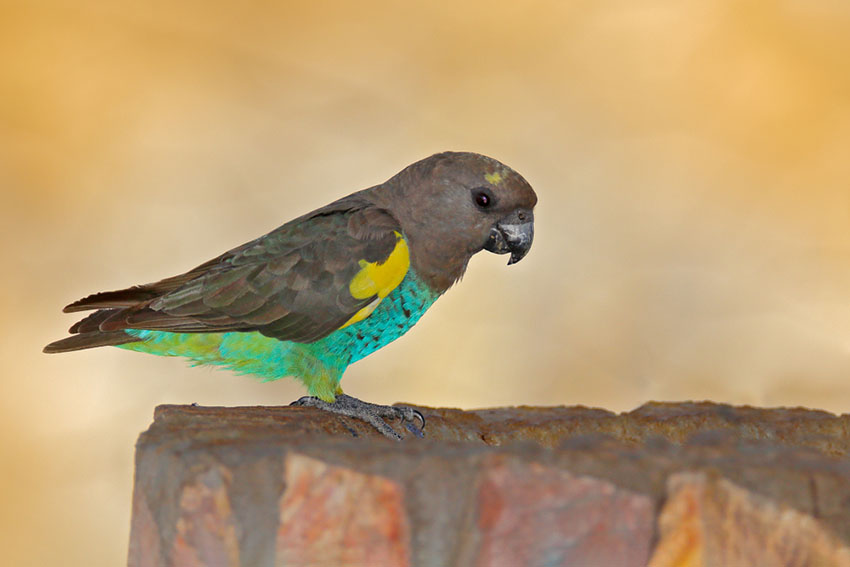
column 665, row 485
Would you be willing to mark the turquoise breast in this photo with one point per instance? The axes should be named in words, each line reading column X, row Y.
column 393, row 317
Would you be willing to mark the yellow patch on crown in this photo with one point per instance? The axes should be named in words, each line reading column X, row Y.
column 379, row 279
column 494, row 178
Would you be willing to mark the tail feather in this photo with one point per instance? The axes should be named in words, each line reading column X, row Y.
column 110, row 299
column 135, row 295
column 92, row 322
column 105, row 326
column 90, row 340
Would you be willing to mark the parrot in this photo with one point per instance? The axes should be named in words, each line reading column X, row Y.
column 328, row 288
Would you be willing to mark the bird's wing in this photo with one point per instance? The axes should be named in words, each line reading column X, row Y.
column 300, row 282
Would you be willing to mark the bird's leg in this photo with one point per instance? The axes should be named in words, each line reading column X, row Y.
column 370, row 413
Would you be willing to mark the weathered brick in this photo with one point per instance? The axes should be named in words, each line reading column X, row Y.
column 206, row 534
column 145, row 541
column 709, row 521
column 331, row 515
column 532, row 514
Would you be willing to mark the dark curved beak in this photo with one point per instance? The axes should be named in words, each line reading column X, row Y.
column 513, row 234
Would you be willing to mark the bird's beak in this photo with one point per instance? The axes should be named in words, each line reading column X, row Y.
column 513, row 234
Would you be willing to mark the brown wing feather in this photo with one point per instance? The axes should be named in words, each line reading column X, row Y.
column 291, row 284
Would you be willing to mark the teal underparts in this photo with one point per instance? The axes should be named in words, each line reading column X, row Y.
column 320, row 364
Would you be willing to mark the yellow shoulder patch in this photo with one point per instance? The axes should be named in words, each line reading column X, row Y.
column 379, row 279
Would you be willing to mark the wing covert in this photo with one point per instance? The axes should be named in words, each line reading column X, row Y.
column 300, row 282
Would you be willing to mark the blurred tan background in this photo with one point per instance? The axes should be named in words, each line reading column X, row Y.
column 693, row 235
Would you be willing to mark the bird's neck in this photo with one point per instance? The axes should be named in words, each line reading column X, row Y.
column 438, row 263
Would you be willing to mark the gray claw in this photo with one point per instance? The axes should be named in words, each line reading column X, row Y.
column 409, row 415
column 421, row 419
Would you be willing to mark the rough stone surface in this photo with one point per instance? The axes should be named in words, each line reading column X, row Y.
column 206, row 530
column 531, row 514
column 507, row 486
column 712, row 522
column 365, row 524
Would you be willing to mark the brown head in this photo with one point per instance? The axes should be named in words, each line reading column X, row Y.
column 454, row 204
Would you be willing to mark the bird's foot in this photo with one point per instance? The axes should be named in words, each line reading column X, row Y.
column 370, row 413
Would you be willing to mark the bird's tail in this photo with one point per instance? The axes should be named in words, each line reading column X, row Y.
column 90, row 340
column 87, row 332
column 105, row 326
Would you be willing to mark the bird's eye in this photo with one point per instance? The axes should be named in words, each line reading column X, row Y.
column 482, row 198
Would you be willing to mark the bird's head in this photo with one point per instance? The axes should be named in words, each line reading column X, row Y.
column 455, row 204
